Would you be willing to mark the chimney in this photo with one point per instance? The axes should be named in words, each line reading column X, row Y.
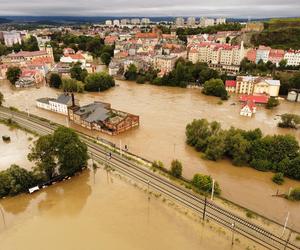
column 73, row 100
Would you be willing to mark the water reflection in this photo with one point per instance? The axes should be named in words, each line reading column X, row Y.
column 57, row 197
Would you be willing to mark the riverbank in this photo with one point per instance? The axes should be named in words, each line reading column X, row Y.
column 164, row 113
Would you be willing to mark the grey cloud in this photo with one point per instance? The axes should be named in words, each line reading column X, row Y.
column 229, row 8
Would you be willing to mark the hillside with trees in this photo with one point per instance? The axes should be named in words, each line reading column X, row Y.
column 279, row 34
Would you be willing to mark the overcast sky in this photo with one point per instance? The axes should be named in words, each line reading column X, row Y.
column 227, row 8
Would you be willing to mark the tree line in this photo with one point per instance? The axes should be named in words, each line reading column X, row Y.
column 184, row 73
column 277, row 153
column 59, row 154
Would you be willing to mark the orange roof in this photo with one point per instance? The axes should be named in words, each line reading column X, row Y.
column 146, row 35
column 77, row 57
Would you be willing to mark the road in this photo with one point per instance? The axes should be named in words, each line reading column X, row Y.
column 206, row 209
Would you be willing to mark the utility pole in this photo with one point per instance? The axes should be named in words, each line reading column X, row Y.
column 121, row 148
column 285, row 224
column 213, row 190
column 232, row 237
column 204, row 209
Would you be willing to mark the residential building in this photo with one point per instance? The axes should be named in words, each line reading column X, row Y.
column 292, row 57
column 125, row 21
column 116, row 22
column 220, row 20
column 257, row 85
column 205, row 22
column 11, row 37
column 135, row 21
column 108, row 23
column 248, row 109
column 164, row 63
column 59, row 105
column 230, row 86
column 276, row 55
column 145, row 21
column 191, row 21
column 262, row 53
column 179, row 21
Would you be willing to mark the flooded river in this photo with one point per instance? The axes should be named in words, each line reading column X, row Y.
column 164, row 113
column 108, row 213
column 15, row 151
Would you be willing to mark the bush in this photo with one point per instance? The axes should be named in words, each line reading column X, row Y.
column 278, row 178
column 72, row 85
column 13, row 74
column 289, row 121
column 141, row 79
column 295, row 194
column 272, row 102
column 204, row 183
column 215, row 87
column 55, row 81
column 261, row 165
column 176, row 168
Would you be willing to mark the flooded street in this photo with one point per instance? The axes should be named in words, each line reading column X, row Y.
column 164, row 112
column 15, row 151
column 108, row 214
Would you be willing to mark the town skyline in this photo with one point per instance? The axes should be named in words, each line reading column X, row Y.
column 232, row 8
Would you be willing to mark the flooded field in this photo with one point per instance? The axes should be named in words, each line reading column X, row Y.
column 164, row 113
column 15, row 151
column 109, row 213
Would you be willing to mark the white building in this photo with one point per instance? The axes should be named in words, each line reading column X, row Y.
column 125, row 21
column 191, row 21
column 220, row 20
column 59, row 105
column 108, row 22
column 292, row 57
column 135, row 21
column 12, row 37
column 262, row 53
column 145, row 21
column 179, row 21
column 116, row 22
column 205, row 22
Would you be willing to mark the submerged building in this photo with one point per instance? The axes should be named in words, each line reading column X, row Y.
column 100, row 116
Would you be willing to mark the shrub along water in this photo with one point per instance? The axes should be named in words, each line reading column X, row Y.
column 277, row 153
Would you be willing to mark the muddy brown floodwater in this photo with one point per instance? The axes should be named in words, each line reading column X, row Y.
column 164, row 113
column 109, row 213
column 15, row 151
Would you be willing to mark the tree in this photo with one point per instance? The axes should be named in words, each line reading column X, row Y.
column 16, row 179
column 30, row 44
column 204, row 183
column 1, row 98
column 283, row 64
column 78, row 73
column 3, row 50
column 105, row 58
column 55, row 81
column 278, row 178
column 289, row 121
column 176, row 168
column 13, row 74
column 216, row 147
column 72, row 85
column 131, row 73
column 44, row 155
column 99, row 82
column 72, row 153
column 272, row 102
column 215, row 87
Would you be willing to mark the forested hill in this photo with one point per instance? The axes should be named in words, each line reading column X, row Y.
column 279, row 34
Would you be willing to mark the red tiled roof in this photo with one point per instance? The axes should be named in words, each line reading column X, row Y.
column 146, row 35
column 263, row 99
column 230, row 83
column 77, row 56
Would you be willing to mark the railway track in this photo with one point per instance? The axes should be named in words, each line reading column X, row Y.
column 203, row 207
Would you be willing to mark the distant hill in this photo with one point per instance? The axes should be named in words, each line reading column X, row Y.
column 4, row 20
column 280, row 34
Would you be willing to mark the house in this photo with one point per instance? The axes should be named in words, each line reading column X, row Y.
column 248, row 109
column 165, row 63
column 29, row 78
column 59, row 105
column 230, row 86
column 100, row 117
column 73, row 58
